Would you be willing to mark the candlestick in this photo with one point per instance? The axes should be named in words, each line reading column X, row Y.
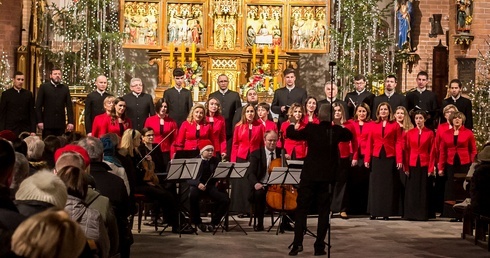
column 254, row 53
column 266, row 50
column 171, row 59
column 182, row 54
column 193, row 53
column 267, row 82
column 276, row 57
column 274, row 83
column 195, row 93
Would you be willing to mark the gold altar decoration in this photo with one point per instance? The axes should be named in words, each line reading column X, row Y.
column 142, row 24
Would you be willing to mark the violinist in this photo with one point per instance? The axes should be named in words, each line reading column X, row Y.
column 260, row 161
column 205, row 184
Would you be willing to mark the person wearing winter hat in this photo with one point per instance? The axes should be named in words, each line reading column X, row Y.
column 39, row 192
column 204, row 184
column 73, row 148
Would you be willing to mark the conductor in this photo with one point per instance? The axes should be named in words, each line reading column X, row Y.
column 319, row 173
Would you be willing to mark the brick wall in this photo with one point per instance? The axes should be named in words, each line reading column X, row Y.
column 10, row 27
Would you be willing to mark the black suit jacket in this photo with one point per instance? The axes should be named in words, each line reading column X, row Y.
column 283, row 97
column 94, row 105
column 464, row 105
column 139, row 108
column 179, row 104
column 50, row 106
column 395, row 100
column 230, row 102
column 17, row 111
column 323, row 156
column 325, row 101
column 205, row 172
column 258, row 165
column 365, row 97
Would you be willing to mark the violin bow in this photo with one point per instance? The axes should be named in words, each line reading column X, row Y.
column 155, row 147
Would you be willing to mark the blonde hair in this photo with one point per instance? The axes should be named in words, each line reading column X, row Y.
column 190, row 117
column 456, row 114
column 48, row 234
column 295, row 106
column 407, row 124
column 35, row 147
column 450, row 106
column 127, row 141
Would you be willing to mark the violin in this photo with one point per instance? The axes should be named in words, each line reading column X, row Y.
column 149, row 167
column 281, row 197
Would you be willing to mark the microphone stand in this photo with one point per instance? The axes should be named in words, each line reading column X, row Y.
column 155, row 147
column 331, row 65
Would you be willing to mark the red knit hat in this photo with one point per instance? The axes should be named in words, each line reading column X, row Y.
column 73, row 148
column 204, row 145
column 8, row 135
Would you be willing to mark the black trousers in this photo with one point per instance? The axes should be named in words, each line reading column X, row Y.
column 165, row 199
column 258, row 199
column 221, row 200
column 308, row 192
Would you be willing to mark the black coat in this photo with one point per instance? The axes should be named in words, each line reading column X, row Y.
column 322, row 160
column 179, row 104
column 50, row 106
column 283, row 97
column 230, row 103
column 480, row 189
column 17, row 111
column 205, row 172
column 94, row 105
column 365, row 97
column 395, row 100
column 139, row 108
column 464, row 105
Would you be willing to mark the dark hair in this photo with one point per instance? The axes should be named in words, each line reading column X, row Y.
column 316, row 101
column 368, row 111
column 7, row 160
column 264, row 105
column 391, row 76
column 55, row 68
column 159, row 105
column 423, row 73
column 76, row 181
column 206, row 106
column 288, row 71
column 420, row 112
column 18, row 73
column 20, row 146
column 324, row 113
column 178, row 72
column 457, row 81
column 113, row 111
column 359, row 77
column 144, row 130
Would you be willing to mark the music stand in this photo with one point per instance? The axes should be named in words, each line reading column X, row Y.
column 235, row 171
column 181, row 170
column 283, row 176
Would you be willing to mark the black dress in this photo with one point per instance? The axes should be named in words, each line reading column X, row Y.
column 418, row 190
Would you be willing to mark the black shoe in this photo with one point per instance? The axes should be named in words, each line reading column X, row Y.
column 320, row 252
column 244, row 215
column 455, row 220
column 259, row 228
column 202, row 227
column 372, row 217
column 295, row 250
column 286, row 227
column 211, row 227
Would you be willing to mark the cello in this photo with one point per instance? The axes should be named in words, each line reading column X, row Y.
column 281, row 197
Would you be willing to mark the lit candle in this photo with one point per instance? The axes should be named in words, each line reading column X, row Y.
column 254, row 53
column 267, row 82
column 193, row 57
column 171, row 59
column 182, row 54
column 266, row 50
column 274, row 83
column 195, row 93
column 276, row 57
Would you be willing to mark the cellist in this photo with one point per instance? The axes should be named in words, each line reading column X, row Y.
column 258, row 175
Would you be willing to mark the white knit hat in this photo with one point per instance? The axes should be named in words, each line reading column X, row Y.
column 43, row 186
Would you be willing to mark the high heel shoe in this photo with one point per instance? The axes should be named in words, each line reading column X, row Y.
column 372, row 217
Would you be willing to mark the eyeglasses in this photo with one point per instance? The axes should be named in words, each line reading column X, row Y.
column 223, row 81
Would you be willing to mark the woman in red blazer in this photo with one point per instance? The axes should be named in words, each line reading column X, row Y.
column 116, row 122
column 108, row 104
column 294, row 149
column 340, row 197
column 419, row 167
column 359, row 174
column 457, row 151
column 218, row 128
column 247, row 137
column 263, row 114
column 193, row 130
column 311, row 111
column 384, row 154
column 163, row 126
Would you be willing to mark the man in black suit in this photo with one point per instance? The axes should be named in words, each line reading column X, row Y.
column 257, row 175
column 178, row 98
column 52, row 99
column 318, row 175
column 360, row 95
column 331, row 91
column 390, row 96
column 284, row 97
column 17, row 108
column 463, row 104
column 94, row 103
column 139, row 105
column 230, row 101
column 423, row 99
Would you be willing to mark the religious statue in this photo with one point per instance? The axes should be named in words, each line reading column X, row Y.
column 173, row 31
column 263, row 30
column 276, row 36
column 250, row 36
column 196, row 32
column 464, row 17
column 404, row 16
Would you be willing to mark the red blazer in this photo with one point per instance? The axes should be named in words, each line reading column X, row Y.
column 440, row 130
column 168, row 125
column 187, row 140
column 361, row 136
column 315, row 119
column 465, row 148
column 392, row 141
column 299, row 147
column 348, row 148
column 242, row 144
column 218, row 133
column 419, row 149
column 102, row 124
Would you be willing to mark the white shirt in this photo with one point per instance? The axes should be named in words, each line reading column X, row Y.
column 223, row 91
column 290, row 88
column 389, row 94
column 101, row 92
column 136, row 94
column 268, row 156
column 360, row 92
column 421, row 90
column 456, row 98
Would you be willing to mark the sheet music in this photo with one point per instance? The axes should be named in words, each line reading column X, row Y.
column 223, row 170
column 239, row 170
